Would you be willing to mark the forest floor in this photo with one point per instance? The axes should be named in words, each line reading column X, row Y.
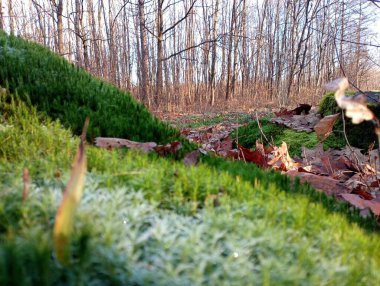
column 161, row 222
column 332, row 166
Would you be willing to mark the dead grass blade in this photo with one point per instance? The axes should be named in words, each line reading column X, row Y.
column 71, row 198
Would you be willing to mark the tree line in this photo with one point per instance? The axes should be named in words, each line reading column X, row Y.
column 179, row 54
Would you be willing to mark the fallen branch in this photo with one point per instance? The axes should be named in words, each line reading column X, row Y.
column 110, row 143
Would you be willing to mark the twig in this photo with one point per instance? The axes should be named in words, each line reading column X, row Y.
column 376, row 122
column 25, row 192
column 261, row 130
column 242, row 153
column 348, row 143
column 354, row 154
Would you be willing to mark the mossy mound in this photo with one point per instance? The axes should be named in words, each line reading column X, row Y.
column 359, row 135
column 65, row 92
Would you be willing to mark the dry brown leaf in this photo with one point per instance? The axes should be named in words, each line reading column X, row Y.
column 192, row 158
column 328, row 185
column 360, row 203
column 362, row 191
column 257, row 157
column 222, row 148
column 324, row 127
column 170, row 148
column 282, row 160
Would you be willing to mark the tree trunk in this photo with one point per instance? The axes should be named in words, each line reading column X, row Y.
column 1, row 16
column 212, row 82
column 78, row 32
column 11, row 17
column 160, row 39
column 60, row 27
column 229, row 55
column 143, row 54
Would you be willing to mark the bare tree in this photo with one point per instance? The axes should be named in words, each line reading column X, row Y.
column 1, row 16
column 189, row 53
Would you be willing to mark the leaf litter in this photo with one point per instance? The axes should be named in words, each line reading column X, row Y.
column 346, row 174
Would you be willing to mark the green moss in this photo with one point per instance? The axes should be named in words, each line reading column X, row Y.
column 249, row 134
column 360, row 135
column 328, row 105
column 26, row 137
column 295, row 140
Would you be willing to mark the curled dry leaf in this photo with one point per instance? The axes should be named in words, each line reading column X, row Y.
column 324, row 127
column 356, row 110
column 282, row 160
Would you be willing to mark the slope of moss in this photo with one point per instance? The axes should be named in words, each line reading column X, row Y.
column 69, row 94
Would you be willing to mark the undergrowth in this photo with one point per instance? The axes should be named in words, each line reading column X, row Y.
column 146, row 220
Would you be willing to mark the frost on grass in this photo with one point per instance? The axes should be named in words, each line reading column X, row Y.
column 229, row 245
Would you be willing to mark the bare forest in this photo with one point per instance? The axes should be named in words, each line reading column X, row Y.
column 198, row 54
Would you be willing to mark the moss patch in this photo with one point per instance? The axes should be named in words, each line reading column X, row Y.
column 360, row 135
column 249, row 134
